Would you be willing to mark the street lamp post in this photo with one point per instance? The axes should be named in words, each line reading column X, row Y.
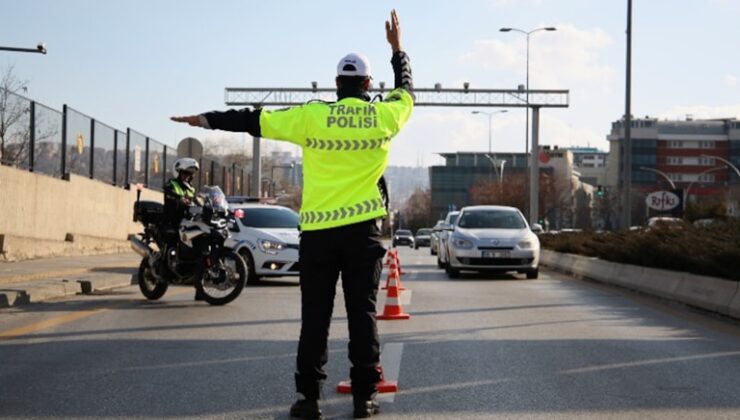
column 490, row 119
column 527, row 34
column 534, row 165
column 661, row 173
column 272, row 174
column 725, row 161
column 691, row 184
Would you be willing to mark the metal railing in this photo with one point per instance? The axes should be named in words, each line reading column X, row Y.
column 43, row 140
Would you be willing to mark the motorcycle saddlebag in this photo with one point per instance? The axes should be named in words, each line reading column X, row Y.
column 148, row 212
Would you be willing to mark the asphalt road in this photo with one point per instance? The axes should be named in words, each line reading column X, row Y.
column 475, row 347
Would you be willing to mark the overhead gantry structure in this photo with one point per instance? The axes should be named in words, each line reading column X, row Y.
column 425, row 97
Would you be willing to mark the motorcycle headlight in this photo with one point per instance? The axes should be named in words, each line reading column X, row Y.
column 526, row 244
column 461, row 243
column 270, row 247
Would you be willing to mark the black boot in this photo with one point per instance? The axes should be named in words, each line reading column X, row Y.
column 365, row 407
column 199, row 295
column 306, row 409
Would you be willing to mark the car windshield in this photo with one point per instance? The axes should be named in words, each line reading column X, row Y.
column 403, row 233
column 491, row 219
column 269, row 217
column 421, row 232
column 453, row 218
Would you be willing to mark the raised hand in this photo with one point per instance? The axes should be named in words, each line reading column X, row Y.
column 393, row 32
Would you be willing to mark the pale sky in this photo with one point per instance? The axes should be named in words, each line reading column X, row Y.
column 134, row 63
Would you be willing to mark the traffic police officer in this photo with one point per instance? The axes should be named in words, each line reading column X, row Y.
column 345, row 152
column 178, row 195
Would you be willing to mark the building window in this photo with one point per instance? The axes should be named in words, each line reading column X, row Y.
column 706, row 145
column 676, row 177
column 672, row 160
column 706, row 178
column 706, row 161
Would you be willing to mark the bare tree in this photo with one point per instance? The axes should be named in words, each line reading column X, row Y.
column 14, row 119
column 418, row 210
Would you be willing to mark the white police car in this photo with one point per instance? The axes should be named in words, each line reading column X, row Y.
column 267, row 238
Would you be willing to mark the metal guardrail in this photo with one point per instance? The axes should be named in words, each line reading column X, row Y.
column 43, row 140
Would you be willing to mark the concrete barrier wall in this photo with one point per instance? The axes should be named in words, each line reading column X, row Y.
column 36, row 208
column 709, row 293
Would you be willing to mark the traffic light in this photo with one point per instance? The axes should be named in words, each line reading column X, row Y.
column 600, row 191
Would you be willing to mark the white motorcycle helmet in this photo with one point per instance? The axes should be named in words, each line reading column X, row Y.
column 185, row 164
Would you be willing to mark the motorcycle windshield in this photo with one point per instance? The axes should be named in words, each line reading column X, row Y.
column 213, row 197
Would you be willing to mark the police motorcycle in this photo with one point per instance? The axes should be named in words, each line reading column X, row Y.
column 199, row 258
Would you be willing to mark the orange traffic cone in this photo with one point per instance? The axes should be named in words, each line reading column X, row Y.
column 345, row 387
column 393, row 271
column 393, row 309
column 388, row 258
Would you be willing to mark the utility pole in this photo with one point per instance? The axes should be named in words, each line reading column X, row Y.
column 627, row 149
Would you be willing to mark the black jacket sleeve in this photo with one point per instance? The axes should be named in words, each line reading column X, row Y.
column 402, row 71
column 242, row 120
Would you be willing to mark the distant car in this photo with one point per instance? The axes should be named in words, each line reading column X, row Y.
column 267, row 238
column 447, row 227
column 665, row 222
column 705, row 223
column 403, row 237
column 492, row 238
column 434, row 239
column 423, row 237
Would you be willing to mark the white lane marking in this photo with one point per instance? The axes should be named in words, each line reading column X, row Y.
column 406, row 297
column 390, row 359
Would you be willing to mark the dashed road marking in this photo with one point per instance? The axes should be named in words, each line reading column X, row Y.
column 390, row 359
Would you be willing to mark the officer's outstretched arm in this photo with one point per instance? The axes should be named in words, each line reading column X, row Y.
column 242, row 120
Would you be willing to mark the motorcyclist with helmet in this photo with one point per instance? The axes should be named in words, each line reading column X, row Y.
column 179, row 194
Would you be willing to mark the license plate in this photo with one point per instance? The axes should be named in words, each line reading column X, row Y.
column 496, row 254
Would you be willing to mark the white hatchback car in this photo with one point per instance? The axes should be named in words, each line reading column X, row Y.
column 492, row 238
column 267, row 238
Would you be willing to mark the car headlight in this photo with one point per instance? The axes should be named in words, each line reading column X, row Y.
column 461, row 243
column 527, row 244
column 270, row 247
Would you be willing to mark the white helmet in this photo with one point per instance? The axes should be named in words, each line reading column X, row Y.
column 185, row 164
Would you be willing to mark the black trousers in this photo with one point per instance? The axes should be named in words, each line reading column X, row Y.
column 356, row 252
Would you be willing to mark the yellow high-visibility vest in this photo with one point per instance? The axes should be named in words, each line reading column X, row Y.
column 345, row 152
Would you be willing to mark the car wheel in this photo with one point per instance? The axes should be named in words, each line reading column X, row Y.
column 439, row 263
column 532, row 274
column 452, row 272
column 252, row 277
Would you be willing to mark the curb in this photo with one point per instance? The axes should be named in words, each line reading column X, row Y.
column 23, row 294
column 708, row 293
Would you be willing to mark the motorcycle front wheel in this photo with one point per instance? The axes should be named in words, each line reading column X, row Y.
column 148, row 284
column 224, row 281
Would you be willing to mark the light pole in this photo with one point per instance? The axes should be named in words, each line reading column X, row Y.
column 661, row 173
column 527, row 34
column 490, row 118
column 691, row 184
column 534, row 164
column 725, row 161
column 272, row 174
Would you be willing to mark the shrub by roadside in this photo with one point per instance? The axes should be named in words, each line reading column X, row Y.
column 711, row 251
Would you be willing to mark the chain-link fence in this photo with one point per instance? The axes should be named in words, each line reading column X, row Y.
column 40, row 139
